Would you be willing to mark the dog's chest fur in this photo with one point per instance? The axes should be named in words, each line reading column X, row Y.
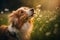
column 25, row 31
column 10, row 33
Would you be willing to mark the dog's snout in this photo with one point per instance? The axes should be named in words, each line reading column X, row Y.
column 32, row 9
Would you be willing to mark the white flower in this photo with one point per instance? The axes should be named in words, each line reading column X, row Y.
column 6, row 9
column 2, row 12
column 38, row 19
column 38, row 6
column 40, row 15
column 47, row 33
column 56, row 25
column 40, row 29
column 47, row 21
column 51, row 19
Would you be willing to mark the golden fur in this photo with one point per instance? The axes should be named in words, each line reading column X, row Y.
column 24, row 33
column 23, row 22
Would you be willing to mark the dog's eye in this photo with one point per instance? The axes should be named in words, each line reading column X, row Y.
column 22, row 11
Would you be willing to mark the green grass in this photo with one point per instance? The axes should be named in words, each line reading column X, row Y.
column 46, row 24
column 4, row 19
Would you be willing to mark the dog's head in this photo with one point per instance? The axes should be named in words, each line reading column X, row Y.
column 27, row 10
column 20, row 16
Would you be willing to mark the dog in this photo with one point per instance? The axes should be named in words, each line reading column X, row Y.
column 20, row 25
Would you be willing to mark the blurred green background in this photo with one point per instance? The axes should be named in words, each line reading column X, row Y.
column 46, row 17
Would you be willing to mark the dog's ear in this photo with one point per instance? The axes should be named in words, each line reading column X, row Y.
column 15, row 13
column 18, row 13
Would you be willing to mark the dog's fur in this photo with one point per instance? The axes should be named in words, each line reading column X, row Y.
column 20, row 23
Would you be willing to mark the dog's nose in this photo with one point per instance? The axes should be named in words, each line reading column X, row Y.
column 32, row 9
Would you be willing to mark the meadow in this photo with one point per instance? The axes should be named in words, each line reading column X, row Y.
column 46, row 24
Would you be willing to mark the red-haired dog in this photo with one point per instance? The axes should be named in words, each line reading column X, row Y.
column 20, row 25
